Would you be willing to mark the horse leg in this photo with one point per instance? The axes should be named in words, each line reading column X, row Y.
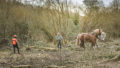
column 92, row 45
column 82, row 44
column 96, row 43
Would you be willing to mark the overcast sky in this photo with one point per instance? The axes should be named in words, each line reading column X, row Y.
column 80, row 2
column 76, row 2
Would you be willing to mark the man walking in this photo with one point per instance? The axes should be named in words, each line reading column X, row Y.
column 59, row 40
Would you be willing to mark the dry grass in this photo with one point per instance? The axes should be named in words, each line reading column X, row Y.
column 72, row 56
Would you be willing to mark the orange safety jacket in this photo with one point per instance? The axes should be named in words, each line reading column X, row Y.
column 14, row 41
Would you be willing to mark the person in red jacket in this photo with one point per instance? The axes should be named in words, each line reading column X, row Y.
column 15, row 43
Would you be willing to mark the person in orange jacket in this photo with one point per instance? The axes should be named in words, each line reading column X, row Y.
column 15, row 43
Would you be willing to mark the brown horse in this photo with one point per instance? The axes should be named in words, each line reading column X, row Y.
column 89, row 37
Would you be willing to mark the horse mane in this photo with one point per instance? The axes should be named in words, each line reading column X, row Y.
column 95, row 33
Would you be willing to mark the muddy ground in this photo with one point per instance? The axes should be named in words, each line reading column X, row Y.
column 71, row 56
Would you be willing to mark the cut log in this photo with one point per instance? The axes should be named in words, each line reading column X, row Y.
column 54, row 66
column 21, row 66
column 48, row 49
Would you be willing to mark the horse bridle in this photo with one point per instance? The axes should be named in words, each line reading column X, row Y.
column 99, row 32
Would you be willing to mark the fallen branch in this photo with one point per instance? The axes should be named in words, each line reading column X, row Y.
column 116, row 58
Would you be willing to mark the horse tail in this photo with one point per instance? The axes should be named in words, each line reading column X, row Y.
column 78, row 41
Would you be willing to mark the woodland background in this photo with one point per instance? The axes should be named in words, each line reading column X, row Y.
column 33, row 23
